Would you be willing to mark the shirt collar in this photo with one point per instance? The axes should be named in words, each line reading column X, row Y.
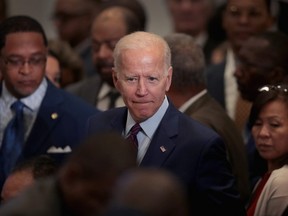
column 104, row 90
column 185, row 106
column 150, row 125
column 32, row 101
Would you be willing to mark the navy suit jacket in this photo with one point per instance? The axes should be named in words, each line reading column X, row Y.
column 215, row 82
column 65, row 129
column 194, row 153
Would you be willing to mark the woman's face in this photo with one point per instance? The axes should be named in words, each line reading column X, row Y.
column 270, row 131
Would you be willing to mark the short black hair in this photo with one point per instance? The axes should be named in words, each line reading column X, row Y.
column 20, row 23
column 133, row 5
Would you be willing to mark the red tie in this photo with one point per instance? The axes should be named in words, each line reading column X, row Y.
column 133, row 135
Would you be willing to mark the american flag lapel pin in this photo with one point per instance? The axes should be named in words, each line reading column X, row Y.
column 162, row 148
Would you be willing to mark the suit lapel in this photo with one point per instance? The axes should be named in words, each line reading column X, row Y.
column 163, row 141
column 48, row 116
column 119, row 121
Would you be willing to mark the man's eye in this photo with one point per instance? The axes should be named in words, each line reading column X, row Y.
column 36, row 61
column 16, row 62
column 274, row 125
column 152, row 79
column 131, row 79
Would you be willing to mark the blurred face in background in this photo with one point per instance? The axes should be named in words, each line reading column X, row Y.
column 244, row 18
column 53, row 70
column 107, row 30
column 254, row 69
column 72, row 19
column 190, row 16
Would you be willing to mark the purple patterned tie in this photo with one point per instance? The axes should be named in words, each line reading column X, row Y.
column 133, row 135
column 13, row 141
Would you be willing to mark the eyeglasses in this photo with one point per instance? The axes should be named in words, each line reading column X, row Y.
column 267, row 88
column 16, row 63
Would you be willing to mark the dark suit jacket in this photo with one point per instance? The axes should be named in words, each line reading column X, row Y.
column 66, row 129
column 86, row 55
column 194, row 153
column 215, row 82
column 208, row 48
column 209, row 112
column 87, row 89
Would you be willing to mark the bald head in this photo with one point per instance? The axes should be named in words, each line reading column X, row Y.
column 134, row 5
column 108, row 27
column 121, row 17
column 16, row 183
column 143, row 41
column 152, row 191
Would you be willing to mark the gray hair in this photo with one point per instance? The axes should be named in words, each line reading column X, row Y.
column 142, row 40
column 187, row 60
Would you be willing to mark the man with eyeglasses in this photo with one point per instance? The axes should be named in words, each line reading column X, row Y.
column 108, row 27
column 36, row 117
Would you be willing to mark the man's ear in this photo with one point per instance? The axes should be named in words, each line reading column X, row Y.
column 169, row 78
column 115, row 77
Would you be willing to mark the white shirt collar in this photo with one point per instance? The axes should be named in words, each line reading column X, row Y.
column 185, row 106
column 150, row 125
column 32, row 101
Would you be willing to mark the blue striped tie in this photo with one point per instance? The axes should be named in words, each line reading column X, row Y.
column 13, row 139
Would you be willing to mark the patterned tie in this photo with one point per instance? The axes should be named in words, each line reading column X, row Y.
column 133, row 135
column 13, row 139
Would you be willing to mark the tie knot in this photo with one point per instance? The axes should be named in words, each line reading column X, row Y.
column 17, row 106
column 135, row 129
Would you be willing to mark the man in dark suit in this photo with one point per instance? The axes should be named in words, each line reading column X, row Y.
column 163, row 136
column 107, row 28
column 52, row 121
column 189, row 94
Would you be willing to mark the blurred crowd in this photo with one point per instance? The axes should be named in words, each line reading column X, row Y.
column 110, row 119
